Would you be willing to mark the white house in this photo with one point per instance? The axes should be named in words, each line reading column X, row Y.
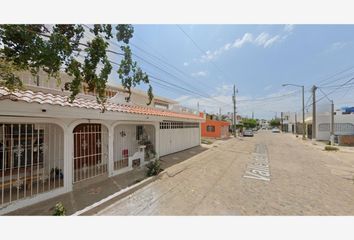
column 343, row 124
column 48, row 146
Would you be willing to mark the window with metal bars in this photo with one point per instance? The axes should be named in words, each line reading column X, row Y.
column 31, row 160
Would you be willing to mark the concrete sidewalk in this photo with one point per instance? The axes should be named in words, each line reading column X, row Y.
column 321, row 144
column 85, row 196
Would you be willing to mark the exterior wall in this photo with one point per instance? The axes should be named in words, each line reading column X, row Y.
column 220, row 129
column 69, row 118
column 323, row 125
column 182, row 138
column 174, row 137
column 346, row 140
column 129, row 143
column 134, row 99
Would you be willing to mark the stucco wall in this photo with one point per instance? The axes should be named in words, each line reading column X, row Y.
column 218, row 128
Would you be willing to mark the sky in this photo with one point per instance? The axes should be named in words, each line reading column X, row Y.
column 200, row 64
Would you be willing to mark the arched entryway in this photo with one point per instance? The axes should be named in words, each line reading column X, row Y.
column 133, row 145
column 90, row 151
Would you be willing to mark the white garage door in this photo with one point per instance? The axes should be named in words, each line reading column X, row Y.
column 177, row 136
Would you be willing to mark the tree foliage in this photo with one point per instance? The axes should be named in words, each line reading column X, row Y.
column 59, row 48
column 274, row 123
column 249, row 123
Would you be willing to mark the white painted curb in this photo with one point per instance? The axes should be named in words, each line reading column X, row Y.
column 96, row 204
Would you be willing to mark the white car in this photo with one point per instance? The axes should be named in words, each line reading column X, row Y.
column 275, row 130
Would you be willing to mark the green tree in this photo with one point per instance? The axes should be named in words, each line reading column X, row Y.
column 249, row 123
column 275, row 123
column 53, row 48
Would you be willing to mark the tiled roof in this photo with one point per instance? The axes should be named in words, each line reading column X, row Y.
column 60, row 100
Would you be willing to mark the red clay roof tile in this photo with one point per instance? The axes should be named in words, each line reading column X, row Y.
column 60, row 100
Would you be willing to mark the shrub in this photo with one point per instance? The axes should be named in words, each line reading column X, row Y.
column 331, row 148
column 59, row 209
column 153, row 168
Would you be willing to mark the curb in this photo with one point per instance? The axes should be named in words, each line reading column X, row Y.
column 97, row 206
column 321, row 147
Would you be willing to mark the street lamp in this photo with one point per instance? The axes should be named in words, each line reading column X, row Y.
column 303, row 106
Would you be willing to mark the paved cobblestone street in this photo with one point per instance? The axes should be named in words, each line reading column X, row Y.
column 303, row 180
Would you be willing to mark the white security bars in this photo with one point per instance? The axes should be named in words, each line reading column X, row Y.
column 31, row 160
column 90, row 151
column 128, row 138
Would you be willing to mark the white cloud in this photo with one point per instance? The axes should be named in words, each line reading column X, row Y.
column 264, row 39
column 185, row 64
column 224, row 89
column 199, row 74
column 289, row 28
column 338, row 45
column 182, row 98
column 335, row 47
column 247, row 38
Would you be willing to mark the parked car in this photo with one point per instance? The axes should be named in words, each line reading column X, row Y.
column 248, row 133
column 275, row 130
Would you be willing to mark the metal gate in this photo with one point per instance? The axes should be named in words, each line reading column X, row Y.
column 127, row 139
column 90, row 151
column 178, row 136
column 31, row 160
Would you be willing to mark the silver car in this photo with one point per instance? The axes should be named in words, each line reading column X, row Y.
column 275, row 130
column 248, row 133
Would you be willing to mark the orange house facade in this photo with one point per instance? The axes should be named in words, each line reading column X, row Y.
column 215, row 129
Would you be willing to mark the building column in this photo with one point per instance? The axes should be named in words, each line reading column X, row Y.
column 157, row 138
column 68, row 159
column 110, row 151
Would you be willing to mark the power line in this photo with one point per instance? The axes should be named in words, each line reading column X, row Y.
column 333, row 75
column 270, row 98
column 199, row 48
column 159, row 68
column 335, row 86
column 206, row 96
column 170, row 65
column 326, row 95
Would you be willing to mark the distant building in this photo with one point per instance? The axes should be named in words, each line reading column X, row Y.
column 213, row 128
column 263, row 123
column 343, row 124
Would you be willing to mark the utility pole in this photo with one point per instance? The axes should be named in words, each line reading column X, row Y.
column 220, row 113
column 303, row 113
column 314, row 112
column 198, row 106
column 281, row 121
column 332, row 118
column 296, row 124
column 303, row 107
column 234, row 115
column 252, row 115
